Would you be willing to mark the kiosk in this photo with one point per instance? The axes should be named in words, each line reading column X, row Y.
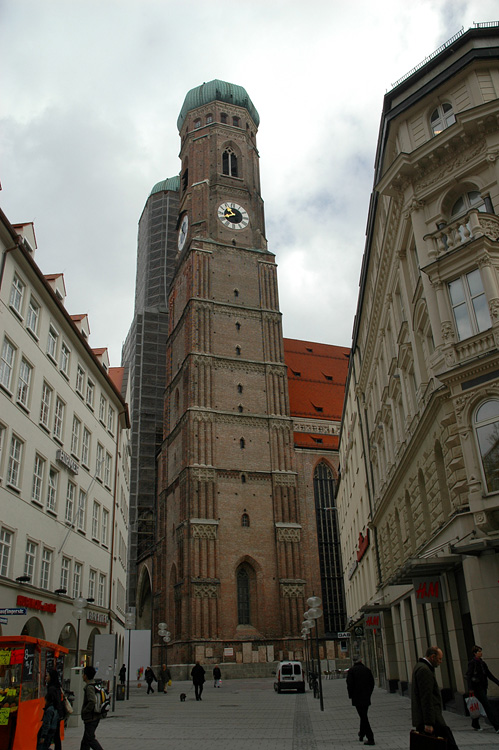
column 24, row 662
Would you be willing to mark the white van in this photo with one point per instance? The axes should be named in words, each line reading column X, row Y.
column 289, row 676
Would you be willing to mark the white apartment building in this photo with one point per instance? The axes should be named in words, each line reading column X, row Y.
column 64, row 463
column 419, row 449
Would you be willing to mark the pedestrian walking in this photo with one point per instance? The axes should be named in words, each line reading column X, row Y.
column 478, row 676
column 149, row 677
column 88, row 715
column 217, row 676
column 360, row 686
column 426, row 701
column 53, row 714
column 122, row 674
column 197, row 674
column 165, row 678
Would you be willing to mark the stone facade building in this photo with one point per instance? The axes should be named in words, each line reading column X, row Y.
column 419, row 493
column 64, row 462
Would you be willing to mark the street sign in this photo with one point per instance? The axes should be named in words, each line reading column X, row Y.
column 3, row 621
column 13, row 610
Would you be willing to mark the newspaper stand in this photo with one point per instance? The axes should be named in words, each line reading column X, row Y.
column 24, row 662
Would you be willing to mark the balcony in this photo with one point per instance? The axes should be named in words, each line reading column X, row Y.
column 461, row 231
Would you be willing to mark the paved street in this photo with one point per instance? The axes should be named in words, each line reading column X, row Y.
column 249, row 715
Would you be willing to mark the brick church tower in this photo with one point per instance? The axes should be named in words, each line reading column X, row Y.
column 237, row 552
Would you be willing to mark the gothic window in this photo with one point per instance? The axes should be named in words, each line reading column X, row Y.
column 197, row 123
column 236, row 122
column 328, row 538
column 442, row 117
column 229, row 163
column 239, row 388
column 243, row 597
column 238, row 326
column 238, row 350
column 209, row 118
column 486, row 424
column 240, row 408
column 236, row 292
column 245, row 521
column 224, row 119
column 469, row 304
column 242, row 443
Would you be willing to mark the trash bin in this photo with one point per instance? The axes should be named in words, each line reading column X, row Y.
column 120, row 692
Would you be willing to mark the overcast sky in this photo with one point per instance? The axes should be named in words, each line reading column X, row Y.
column 91, row 92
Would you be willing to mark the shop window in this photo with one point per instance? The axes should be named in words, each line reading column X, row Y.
column 486, row 425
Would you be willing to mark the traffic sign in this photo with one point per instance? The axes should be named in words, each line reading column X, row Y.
column 13, row 610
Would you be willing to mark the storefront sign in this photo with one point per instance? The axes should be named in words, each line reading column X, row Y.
column 344, row 635
column 372, row 622
column 358, row 631
column 363, row 545
column 12, row 611
column 229, row 651
column 428, row 589
column 25, row 601
column 97, row 618
column 68, row 462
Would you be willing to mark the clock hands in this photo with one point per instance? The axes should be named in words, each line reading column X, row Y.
column 228, row 213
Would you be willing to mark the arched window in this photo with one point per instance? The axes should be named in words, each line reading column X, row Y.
column 224, row 119
column 229, row 163
column 238, row 326
column 486, row 424
column 328, row 539
column 236, row 121
column 240, row 408
column 209, row 118
column 467, row 201
column 245, row 520
column 243, row 597
column 442, row 117
column 238, row 350
column 197, row 123
column 239, row 388
column 242, row 444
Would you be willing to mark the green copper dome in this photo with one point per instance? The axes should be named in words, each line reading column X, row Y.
column 171, row 183
column 219, row 91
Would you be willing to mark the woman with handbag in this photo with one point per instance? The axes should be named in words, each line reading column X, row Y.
column 478, row 675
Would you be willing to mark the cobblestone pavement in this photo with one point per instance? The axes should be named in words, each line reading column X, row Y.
column 250, row 715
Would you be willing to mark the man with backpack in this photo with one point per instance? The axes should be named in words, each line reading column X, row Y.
column 89, row 714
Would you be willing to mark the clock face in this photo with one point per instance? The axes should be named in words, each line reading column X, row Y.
column 182, row 232
column 233, row 216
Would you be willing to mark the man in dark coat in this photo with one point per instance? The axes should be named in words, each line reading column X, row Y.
column 149, row 677
column 360, row 685
column 478, row 676
column 197, row 674
column 426, row 701
column 123, row 674
column 89, row 717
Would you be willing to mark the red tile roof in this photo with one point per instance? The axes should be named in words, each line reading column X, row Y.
column 316, row 379
column 116, row 375
column 320, row 442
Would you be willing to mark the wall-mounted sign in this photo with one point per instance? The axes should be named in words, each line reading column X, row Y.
column 12, row 611
column 344, row 635
column 229, row 651
column 68, row 462
column 428, row 589
column 372, row 622
column 363, row 545
column 358, row 631
column 97, row 618
column 25, row 601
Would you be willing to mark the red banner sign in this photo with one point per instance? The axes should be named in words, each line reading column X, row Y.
column 25, row 601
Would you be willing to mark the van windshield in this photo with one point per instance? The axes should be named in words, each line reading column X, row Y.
column 297, row 669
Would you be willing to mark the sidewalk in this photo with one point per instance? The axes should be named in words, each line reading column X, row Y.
column 250, row 715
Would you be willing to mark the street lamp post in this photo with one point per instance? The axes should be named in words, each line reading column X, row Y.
column 80, row 603
column 129, row 625
column 315, row 611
